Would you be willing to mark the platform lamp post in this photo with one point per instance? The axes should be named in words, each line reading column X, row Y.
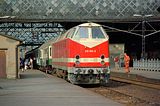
column 143, row 31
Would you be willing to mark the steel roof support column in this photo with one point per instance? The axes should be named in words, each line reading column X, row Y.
column 143, row 39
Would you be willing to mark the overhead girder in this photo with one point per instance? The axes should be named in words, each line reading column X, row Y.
column 134, row 27
column 38, row 33
column 32, row 33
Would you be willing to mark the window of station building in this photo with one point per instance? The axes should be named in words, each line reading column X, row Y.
column 82, row 32
column 97, row 32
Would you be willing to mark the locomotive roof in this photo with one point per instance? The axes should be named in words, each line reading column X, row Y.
column 89, row 24
column 81, row 25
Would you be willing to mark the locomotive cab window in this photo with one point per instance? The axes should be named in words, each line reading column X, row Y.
column 97, row 32
column 70, row 33
column 82, row 32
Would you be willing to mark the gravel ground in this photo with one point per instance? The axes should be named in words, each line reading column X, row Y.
column 128, row 94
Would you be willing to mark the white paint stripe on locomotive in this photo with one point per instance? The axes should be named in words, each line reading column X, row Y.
column 81, row 60
column 73, row 69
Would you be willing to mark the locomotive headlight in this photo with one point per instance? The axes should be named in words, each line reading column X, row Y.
column 77, row 62
column 77, row 59
column 102, row 56
column 102, row 62
column 77, row 56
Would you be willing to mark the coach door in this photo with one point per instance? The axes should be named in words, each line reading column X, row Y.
column 2, row 64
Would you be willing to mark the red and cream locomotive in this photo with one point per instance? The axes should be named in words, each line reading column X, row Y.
column 81, row 55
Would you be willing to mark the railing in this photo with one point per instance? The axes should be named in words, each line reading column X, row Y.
column 147, row 64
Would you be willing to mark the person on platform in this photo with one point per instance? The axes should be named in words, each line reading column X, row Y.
column 116, row 61
column 25, row 64
column 126, row 62
column 31, row 63
column 22, row 64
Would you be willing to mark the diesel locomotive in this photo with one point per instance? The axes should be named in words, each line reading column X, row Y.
column 80, row 55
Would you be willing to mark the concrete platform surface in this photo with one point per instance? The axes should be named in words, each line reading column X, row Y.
column 38, row 89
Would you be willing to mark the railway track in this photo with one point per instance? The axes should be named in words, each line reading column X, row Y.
column 137, row 82
column 130, row 92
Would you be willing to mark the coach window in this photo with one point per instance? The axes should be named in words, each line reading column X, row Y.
column 97, row 32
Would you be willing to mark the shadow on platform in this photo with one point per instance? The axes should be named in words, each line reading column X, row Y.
column 31, row 74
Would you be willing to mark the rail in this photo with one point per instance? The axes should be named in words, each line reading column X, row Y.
column 147, row 65
column 140, row 83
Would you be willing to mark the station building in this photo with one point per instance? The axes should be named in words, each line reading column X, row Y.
column 9, row 57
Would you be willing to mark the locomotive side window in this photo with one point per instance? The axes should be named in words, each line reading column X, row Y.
column 71, row 33
column 97, row 32
column 82, row 32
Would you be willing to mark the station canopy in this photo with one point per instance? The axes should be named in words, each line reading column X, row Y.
column 77, row 10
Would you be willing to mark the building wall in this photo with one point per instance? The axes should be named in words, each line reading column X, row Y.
column 9, row 46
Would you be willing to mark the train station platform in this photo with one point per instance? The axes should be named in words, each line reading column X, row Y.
column 36, row 88
column 139, row 75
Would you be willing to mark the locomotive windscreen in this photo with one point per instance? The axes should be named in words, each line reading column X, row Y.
column 82, row 32
column 94, row 32
column 97, row 33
